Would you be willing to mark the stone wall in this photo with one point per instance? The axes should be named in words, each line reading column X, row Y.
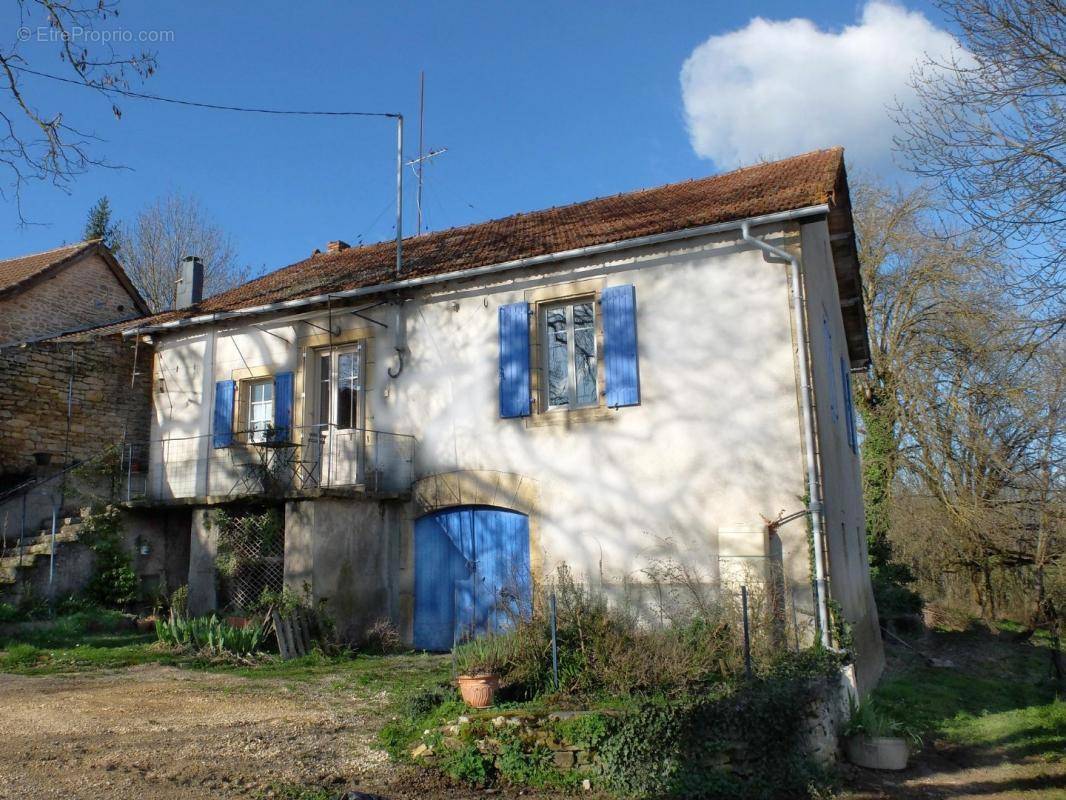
column 554, row 737
column 81, row 295
column 34, row 380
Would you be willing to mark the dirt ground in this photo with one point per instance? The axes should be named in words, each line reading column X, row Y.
column 945, row 771
column 155, row 732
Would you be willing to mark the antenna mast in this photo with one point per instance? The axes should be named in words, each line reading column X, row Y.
column 399, row 193
column 421, row 128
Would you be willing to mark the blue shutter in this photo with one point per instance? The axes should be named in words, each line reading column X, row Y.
column 619, row 308
column 282, row 406
column 849, row 407
column 223, row 428
column 514, row 360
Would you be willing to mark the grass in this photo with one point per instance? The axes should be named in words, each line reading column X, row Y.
column 998, row 696
column 92, row 640
column 88, row 639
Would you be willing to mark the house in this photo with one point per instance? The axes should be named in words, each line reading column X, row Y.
column 659, row 376
column 66, row 289
column 72, row 389
column 66, row 389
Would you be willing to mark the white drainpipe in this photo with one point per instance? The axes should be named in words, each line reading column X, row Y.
column 814, row 483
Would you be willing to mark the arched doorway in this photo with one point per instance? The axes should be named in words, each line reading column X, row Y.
column 472, row 573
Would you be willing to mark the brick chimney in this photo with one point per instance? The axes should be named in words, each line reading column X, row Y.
column 190, row 288
column 337, row 246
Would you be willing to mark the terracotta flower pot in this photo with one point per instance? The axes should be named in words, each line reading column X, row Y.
column 877, row 752
column 478, row 691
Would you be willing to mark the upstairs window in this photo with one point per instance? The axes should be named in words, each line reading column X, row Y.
column 570, row 354
column 580, row 347
column 260, row 409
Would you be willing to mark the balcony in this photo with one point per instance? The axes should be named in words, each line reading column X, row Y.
column 307, row 461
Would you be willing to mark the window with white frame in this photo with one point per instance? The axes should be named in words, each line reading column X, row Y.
column 260, row 409
column 339, row 387
column 570, row 354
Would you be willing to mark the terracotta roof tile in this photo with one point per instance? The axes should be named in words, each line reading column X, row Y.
column 14, row 272
column 796, row 182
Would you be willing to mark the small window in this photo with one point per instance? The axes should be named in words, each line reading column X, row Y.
column 260, row 409
column 570, row 355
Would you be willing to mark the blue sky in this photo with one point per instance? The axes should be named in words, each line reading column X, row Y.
column 539, row 104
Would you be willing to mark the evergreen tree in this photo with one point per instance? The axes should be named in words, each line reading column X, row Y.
column 99, row 225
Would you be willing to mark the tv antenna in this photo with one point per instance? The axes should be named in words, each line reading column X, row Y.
column 417, row 164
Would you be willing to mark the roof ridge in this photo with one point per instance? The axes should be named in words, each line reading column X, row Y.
column 72, row 246
column 798, row 181
column 516, row 215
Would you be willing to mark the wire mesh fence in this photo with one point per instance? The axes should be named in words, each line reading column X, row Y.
column 251, row 556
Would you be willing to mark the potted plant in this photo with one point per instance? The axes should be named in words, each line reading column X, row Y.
column 479, row 664
column 875, row 741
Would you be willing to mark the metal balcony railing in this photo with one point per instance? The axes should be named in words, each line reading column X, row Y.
column 303, row 460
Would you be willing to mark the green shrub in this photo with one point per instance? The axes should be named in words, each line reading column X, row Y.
column 465, row 763
column 8, row 613
column 19, row 655
column 868, row 719
column 529, row 765
column 114, row 583
column 681, row 748
column 420, row 710
column 604, row 652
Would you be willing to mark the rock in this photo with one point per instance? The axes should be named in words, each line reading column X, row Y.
column 499, row 722
column 586, row 785
column 463, row 720
column 422, row 751
column 564, row 759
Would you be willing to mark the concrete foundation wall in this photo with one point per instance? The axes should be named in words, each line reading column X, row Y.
column 345, row 552
column 203, row 548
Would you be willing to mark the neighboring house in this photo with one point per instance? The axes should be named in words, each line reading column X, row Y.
column 66, row 379
column 71, row 393
column 608, row 385
column 67, row 289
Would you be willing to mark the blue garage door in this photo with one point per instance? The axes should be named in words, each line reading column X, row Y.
column 472, row 574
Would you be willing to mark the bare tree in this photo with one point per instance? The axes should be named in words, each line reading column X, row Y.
column 990, row 128
column 172, row 227
column 42, row 145
column 964, row 411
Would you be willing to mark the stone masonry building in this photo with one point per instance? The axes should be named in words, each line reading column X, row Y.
column 67, row 289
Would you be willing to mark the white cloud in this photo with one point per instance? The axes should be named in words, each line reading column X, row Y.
column 773, row 88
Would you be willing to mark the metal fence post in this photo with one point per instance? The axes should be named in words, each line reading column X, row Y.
column 747, row 635
column 555, row 643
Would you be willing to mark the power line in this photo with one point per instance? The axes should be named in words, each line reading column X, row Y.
column 210, row 106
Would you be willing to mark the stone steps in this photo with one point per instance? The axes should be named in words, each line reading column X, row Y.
column 34, row 547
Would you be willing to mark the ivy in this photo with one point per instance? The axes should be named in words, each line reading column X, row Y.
column 114, row 583
column 880, row 451
column 746, row 744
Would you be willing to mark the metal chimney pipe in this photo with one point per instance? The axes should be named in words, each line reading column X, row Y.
column 190, row 284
